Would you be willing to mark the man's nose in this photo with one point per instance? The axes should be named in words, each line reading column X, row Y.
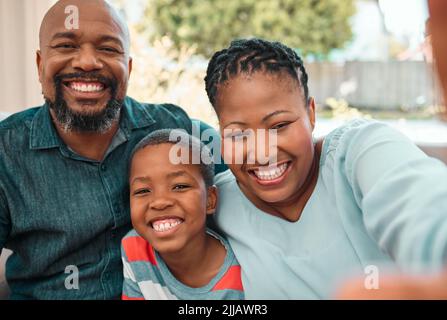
column 161, row 203
column 87, row 60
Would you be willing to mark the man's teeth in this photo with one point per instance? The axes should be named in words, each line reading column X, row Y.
column 86, row 87
column 271, row 172
column 165, row 225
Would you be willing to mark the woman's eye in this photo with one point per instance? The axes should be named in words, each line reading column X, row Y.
column 280, row 125
column 180, row 187
column 237, row 135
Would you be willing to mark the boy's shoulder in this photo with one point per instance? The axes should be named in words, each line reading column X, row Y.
column 135, row 248
column 131, row 234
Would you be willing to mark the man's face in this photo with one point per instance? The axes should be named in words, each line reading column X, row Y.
column 84, row 72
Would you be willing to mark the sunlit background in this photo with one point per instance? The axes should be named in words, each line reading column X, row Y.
column 365, row 58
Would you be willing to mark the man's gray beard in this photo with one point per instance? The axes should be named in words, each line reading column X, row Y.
column 71, row 121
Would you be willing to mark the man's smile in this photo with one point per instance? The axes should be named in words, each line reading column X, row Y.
column 85, row 89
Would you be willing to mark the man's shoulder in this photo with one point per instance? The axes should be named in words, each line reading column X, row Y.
column 19, row 119
column 160, row 112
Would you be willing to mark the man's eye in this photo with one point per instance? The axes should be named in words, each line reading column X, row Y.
column 180, row 187
column 280, row 125
column 109, row 50
column 140, row 192
column 64, row 46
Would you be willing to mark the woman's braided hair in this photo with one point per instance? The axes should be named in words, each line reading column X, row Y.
column 249, row 56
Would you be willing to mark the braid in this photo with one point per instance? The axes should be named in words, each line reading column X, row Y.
column 248, row 56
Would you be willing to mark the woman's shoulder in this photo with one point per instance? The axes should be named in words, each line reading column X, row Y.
column 358, row 135
column 350, row 128
column 224, row 179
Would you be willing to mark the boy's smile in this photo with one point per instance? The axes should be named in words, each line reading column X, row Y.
column 165, row 225
column 168, row 201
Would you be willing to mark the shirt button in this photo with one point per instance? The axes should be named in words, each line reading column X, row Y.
column 103, row 167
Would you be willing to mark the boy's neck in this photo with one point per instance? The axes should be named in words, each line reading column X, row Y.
column 198, row 263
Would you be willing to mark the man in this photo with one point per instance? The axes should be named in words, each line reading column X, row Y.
column 63, row 166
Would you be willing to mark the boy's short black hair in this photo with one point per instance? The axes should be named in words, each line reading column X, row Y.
column 184, row 139
column 251, row 55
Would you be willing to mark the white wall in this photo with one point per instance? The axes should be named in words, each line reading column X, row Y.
column 19, row 38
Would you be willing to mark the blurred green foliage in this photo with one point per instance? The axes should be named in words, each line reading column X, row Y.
column 311, row 26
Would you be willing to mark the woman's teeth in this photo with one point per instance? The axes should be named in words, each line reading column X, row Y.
column 270, row 172
column 86, row 87
column 165, row 225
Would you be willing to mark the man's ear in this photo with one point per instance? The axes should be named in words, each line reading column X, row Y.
column 39, row 64
column 311, row 111
column 211, row 200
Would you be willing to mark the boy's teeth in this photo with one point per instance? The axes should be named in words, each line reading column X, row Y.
column 271, row 172
column 165, row 225
column 87, row 86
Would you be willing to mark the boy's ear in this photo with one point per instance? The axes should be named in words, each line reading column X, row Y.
column 211, row 200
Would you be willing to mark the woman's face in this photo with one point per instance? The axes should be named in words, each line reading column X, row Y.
column 267, row 101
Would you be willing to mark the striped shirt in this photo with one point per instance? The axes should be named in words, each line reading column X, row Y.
column 146, row 276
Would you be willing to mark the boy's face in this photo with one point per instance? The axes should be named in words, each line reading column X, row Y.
column 264, row 101
column 168, row 202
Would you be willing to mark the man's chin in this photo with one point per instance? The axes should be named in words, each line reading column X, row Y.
column 87, row 108
column 86, row 116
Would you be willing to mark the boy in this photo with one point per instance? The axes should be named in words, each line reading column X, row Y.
column 171, row 254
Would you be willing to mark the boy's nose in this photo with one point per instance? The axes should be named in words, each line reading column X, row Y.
column 161, row 203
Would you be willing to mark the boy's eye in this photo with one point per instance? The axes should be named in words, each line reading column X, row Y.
column 181, row 187
column 280, row 125
column 140, row 192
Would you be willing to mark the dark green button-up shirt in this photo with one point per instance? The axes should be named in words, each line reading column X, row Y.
column 61, row 213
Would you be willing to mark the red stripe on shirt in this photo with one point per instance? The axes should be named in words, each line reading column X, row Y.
column 230, row 280
column 124, row 297
column 138, row 249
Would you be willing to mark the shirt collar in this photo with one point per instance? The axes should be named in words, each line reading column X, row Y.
column 43, row 134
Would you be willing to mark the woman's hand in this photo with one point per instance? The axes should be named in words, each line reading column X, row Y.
column 397, row 288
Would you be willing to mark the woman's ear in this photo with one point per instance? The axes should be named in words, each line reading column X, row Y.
column 311, row 111
column 211, row 200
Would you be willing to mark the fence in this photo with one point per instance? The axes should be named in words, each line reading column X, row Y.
column 372, row 84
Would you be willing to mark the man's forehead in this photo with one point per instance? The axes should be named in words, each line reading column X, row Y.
column 78, row 17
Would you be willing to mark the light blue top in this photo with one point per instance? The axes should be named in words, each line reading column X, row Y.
column 378, row 201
